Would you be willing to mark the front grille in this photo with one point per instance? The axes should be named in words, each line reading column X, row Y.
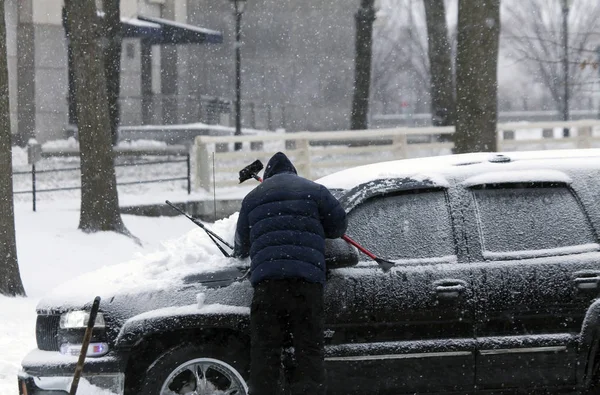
column 46, row 332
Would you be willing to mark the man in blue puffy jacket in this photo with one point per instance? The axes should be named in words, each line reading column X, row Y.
column 282, row 226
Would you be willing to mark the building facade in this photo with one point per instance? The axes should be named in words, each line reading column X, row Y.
column 297, row 65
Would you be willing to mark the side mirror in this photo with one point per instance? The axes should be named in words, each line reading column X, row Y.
column 339, row 254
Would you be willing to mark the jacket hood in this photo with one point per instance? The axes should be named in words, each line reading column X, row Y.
column 279, row 163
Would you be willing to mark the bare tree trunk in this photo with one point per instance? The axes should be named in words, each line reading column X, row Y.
column 99, row 198
column 476, row 75
column 112, row 62
column 10, row 278
column 440, row 63
column 362, row 73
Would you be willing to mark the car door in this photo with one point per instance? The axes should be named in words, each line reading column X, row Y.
column 537, row 273
column 411, row 329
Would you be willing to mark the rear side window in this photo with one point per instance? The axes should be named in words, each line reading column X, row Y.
column 531, row 220
column 408, row 226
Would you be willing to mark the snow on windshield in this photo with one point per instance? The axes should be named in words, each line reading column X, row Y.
column 190, row 254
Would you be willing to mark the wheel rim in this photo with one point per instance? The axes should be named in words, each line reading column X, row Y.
column 204, row 376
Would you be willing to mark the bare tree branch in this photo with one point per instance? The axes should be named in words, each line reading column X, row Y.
column 532, row 35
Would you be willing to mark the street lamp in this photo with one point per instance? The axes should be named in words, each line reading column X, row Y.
column 239, row 6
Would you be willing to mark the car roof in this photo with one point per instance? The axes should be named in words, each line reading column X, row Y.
column 474, row 168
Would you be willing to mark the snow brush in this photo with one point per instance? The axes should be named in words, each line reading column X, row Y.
column 251, row 171
column 209, row 232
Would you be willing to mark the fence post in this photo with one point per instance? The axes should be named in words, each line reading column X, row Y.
column 202, row 165
column 33, row 185
column 303, row 146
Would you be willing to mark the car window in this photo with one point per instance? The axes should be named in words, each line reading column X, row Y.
column 407, row 226
column 521, row 218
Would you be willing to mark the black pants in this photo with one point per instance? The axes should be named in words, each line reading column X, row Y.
column 281, row 308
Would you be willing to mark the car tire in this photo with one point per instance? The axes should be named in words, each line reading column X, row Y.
column 186, row 367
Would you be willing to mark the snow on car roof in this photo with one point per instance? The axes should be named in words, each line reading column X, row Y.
column 436, row 169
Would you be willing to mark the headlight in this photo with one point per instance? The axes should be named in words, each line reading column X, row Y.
column 79, row 319
column 94, row 349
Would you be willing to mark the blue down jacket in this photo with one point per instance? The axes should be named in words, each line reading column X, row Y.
column 283, row 224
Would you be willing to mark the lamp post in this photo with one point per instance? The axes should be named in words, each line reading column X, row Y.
column 239, row 6
column 566, row 5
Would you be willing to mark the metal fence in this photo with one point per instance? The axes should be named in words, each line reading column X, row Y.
column 35, row 172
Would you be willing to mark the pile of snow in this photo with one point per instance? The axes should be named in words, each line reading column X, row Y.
column 191, row 253
column 51, row 250
column 142, row 144
column 69, row 143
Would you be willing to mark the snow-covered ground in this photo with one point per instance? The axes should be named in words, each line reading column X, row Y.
column 52, row 251
column 17, row 337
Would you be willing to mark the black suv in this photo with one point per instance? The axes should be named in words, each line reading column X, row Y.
column 495, row 290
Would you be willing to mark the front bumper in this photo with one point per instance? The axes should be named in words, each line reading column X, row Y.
column 50, row 373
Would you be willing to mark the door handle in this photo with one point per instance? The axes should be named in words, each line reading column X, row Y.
column 586, row 279
column 449, row 289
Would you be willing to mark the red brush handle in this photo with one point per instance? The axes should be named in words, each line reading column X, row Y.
column 360, row 248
